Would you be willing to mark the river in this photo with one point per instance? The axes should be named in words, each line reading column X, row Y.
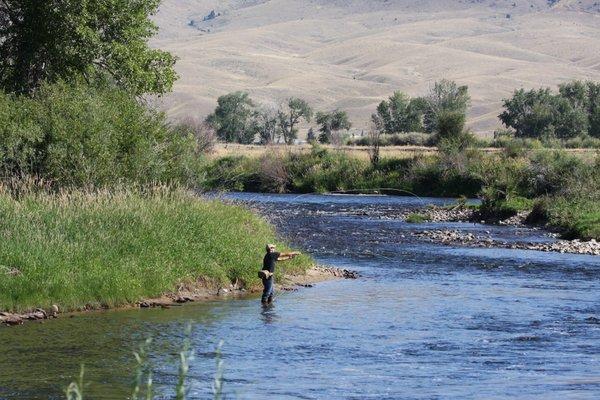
column 424, row 321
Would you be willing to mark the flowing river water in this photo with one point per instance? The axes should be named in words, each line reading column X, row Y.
column 425, row 321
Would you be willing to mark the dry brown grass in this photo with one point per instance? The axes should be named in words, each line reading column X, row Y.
column 351, row 54
column 222, row 150
column 362, row 152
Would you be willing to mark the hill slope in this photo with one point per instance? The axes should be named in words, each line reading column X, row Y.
column 352, row 53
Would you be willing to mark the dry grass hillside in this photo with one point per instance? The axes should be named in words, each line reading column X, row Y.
column 351, row 54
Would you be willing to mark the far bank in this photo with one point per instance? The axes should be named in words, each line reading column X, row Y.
column 556, row 188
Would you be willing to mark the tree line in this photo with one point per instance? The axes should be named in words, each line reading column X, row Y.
column 571, row 112
column 237, row 118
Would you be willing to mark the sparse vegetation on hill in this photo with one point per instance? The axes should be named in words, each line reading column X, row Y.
column 289, row 48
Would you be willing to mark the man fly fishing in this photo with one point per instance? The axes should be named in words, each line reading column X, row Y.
column 268, row 270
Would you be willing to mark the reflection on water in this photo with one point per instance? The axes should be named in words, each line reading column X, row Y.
column 424, row 322
column 268, row 314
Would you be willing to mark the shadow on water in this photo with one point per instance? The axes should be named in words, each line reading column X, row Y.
column 424, row 322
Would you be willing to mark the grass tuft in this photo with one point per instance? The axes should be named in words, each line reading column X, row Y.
column 416, row 218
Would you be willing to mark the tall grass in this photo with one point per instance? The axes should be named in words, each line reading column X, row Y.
column 109, row 248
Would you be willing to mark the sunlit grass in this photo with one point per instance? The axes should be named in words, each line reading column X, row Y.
column 110, row 248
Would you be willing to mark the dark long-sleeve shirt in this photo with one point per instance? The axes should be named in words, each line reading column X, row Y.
column 269, row 261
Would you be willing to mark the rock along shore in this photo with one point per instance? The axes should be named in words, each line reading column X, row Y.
column 198, row 291
column 466, row 214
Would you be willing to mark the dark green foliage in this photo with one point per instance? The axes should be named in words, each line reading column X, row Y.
column 54, row 40
column 289, row 117
column 265, row 123
column 543, row 114
column 310, row 136
column 331, row 123
column 400, row 114
column 585, row 97
column 77, row 135
column 529, row 113
column 539, row 213
column 450, row 124
column 232, row 118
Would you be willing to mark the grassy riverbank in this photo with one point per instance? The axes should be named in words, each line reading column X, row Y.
column 562, row 189
column 111, row 248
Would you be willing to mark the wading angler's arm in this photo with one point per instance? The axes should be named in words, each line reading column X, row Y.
column 288, row 256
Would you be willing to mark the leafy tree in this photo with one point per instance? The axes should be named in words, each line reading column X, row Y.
column 569, row 120
column 450, row 124
column 445, row 97
column 310, row 136
column 265, row 122
column 232, row 118
column 577, row 94
column 289, row 117
column 539, row 113
column 53, row 40
column 585, row 96
column 332, row 122
column 399, row 114
column 594, row 108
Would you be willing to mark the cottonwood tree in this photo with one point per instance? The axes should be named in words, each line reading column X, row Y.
column 290, row 116
column 541, row 113
column 331, row 123
column 265, row 122
column 400, row 114
column 585, row 97
column 51, row 40
column 444, row 97
column 233, row 118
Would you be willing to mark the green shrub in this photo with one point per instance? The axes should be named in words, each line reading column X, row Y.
column 416, row 218
column 575, row 217
column 550, row 172
column 78, row 135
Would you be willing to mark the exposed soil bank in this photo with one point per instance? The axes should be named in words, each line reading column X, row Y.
column 202, row 290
